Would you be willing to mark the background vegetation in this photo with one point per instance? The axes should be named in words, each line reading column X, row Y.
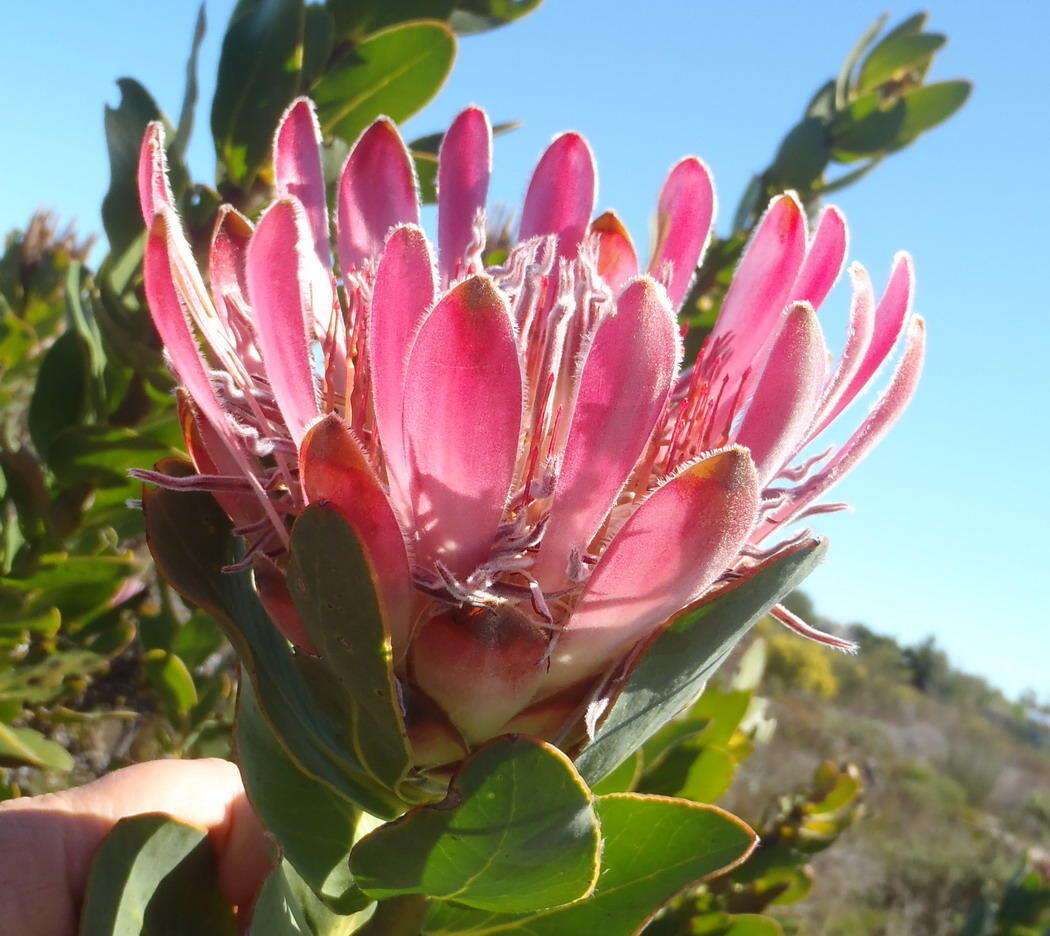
column 931, row 786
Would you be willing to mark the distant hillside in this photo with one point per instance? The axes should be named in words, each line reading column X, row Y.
column 957, row 782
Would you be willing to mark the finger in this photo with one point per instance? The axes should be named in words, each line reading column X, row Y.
column 47, row 842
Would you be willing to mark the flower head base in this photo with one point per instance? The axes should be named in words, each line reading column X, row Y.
column 538, row 484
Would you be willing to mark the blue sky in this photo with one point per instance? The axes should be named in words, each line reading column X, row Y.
column 951, row 509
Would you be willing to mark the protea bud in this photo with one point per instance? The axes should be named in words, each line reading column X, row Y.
column 537, row 483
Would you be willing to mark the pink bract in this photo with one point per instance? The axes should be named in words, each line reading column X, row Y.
column 538, row 482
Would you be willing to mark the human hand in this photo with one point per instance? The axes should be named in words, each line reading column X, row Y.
column 47, row 842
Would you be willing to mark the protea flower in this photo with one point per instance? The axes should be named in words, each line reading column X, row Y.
column 537, row 481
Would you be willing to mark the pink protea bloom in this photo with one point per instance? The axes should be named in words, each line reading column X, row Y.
column 538, row 483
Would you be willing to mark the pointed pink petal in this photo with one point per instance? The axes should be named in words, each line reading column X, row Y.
column 226, row 259
column 333, row 468
column 681, row 538
column 403, row 294
column 171, row 321
column 622, row 390
column 683, row 224
column 462, row 418
column 787, row 394
column 617, row 260
column 861, row 328
column 210, row 455
column 762, row 283
column 377, row 191
column 481, row 667
column 884, row 414
column 824, row 259
column 464, row 167
column 297, row 168
column 561, row 194
column 278, row 287
column 153, row 185
column 891, row 314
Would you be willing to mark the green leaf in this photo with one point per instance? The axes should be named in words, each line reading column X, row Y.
column 259, row 72
column 197, row 639
column 103, row 455
column 314, row 826
column 318, row 42
column 37, row 683
column 189, row 97
column 930, row 105
column 517, row 832
column 895, row 56
column 395, row 72
column 803, row 156
column 653, row 848
column 82, row 320
column 189, row 538
column 125, row 126
column 868, row 128
column 844, row 82
column 60, row 393
column 622, row 779
column 287, row 907
column 675, row 668
column 172, row 681
column 152, row 874
column 24, row 747
column 739, row 924
column 334, row 589
column 426, row 176
column 691, row 770
column 474, row 16
column 354, row 19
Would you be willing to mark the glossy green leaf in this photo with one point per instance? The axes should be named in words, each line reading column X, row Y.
column 395, row 72
column 171, row 680
column 676, row 666
column 622, row 779
column 691, row 770
column 870, row 128
column 37, row 683
column 333, row 586
column 895, row 56
column 318, row 42
column 189, row 537
column 189, row 96
column 474, row 16
column 80, row 315
column 355, row 19
column 60, row 393
column 844, row 82
column 867, row 127
column 314, row 826
column 152, row 874
column 426, row 165
column 738, row 924
column 103, row 455
column 262, row 54
column 24, row 747
column 930, row 105
column 287, row 907
column 125, row 125
column 517, row 832
column 803, row 156
column 653, row 848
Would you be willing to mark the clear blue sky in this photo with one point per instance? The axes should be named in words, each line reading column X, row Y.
column 951, row 510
